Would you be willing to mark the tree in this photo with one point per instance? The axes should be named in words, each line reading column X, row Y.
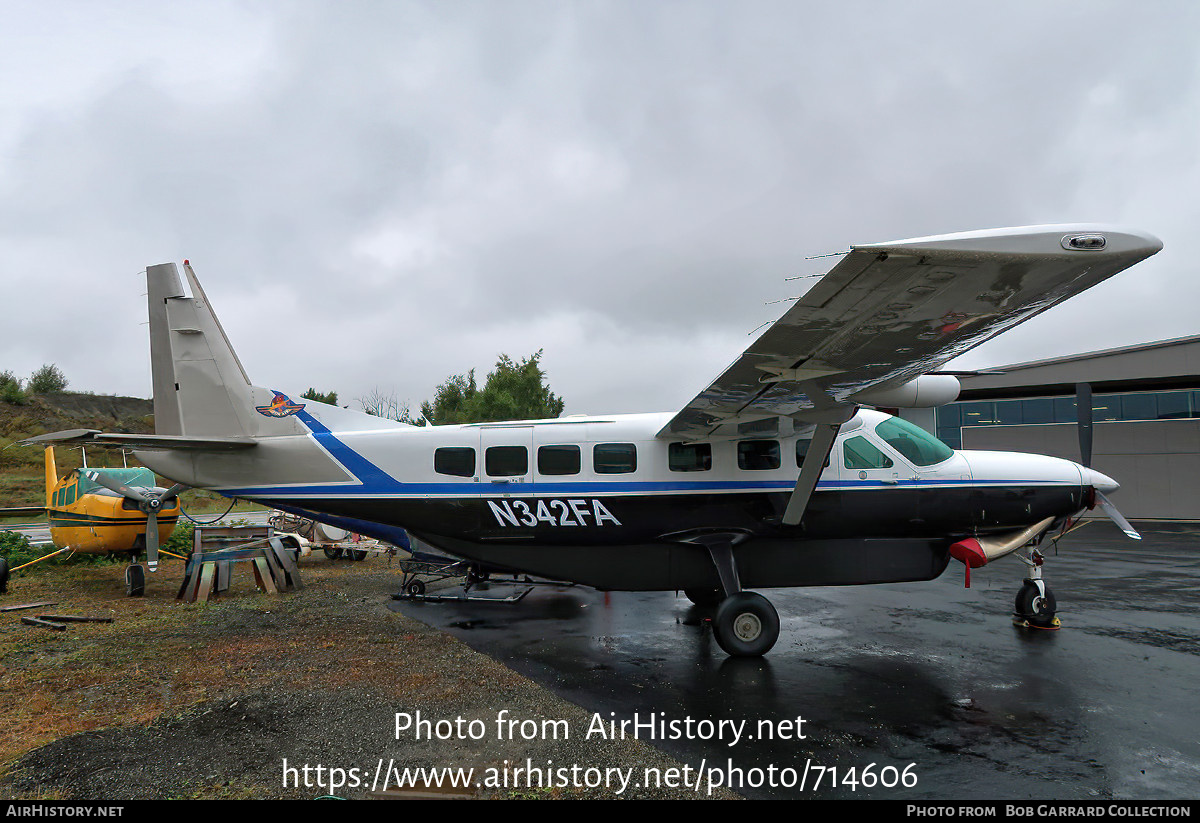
column 328, row 397
column 10, row 389
column 513, row 391
column 386, row 405
column 49, row 378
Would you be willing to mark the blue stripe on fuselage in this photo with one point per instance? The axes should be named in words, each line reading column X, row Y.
column 373, row 481
column 396, row 488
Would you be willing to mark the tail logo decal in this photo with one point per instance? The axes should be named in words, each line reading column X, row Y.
column 281, row 406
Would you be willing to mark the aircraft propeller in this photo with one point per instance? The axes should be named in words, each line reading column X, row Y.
column 148, row 501
column 1083, row 408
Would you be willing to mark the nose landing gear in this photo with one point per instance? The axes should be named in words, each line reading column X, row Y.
column 1035, row 606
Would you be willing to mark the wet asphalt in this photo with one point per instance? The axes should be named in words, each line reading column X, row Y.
column 929, row 674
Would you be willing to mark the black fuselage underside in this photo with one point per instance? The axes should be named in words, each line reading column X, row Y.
column 642, row 542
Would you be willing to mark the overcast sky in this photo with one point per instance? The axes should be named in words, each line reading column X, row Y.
column 378, row 195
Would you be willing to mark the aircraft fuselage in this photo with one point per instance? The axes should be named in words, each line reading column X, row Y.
column 602, row 501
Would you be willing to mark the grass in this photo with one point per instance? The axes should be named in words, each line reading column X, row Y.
column 160, row 655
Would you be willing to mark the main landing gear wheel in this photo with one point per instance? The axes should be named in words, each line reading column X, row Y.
column 1035, row 608
column 708, row 598
column 135, row 580
column 746, row 625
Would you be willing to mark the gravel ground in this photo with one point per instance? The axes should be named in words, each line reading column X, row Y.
column 194, row 701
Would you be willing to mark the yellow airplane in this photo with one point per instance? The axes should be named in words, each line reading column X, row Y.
column 107, row 511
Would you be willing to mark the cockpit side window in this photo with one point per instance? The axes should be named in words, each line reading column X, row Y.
column 861, row 453
column 917, row 446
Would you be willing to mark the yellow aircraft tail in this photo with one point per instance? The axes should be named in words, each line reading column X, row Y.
column 51, row 475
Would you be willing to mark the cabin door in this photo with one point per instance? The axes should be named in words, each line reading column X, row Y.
column 506, row 454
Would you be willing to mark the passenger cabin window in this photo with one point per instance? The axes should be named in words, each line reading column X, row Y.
column 860, row 453
column 918, row 446
column 506, row 461
column 458, row 461
column 558, row 460
column 689, row 457
column 802, row 445
column 758, row 455
column 614, row 458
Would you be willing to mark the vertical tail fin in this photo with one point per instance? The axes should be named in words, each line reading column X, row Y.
column 200, row 387
column 51, row 476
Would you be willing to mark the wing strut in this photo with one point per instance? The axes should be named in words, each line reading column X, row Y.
column 810, row 471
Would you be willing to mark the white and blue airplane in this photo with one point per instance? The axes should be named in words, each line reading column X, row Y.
column 777, row 474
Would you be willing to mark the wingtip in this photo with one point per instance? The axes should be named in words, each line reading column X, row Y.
column 1039, row 239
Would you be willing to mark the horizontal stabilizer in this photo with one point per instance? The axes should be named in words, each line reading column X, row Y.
column 151, row 442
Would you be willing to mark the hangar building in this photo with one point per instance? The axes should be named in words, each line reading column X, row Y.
column 1146, row 414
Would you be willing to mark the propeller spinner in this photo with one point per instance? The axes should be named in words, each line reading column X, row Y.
column 148, row 501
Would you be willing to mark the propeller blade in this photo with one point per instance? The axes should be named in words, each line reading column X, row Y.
column 152, row 541
column 1116, row 516
column 173, row 492
column 112, row 484
column 1083, row 410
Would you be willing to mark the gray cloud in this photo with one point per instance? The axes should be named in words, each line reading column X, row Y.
column 377, row 195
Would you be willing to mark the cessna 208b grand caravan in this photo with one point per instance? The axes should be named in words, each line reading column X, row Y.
column 774, row 475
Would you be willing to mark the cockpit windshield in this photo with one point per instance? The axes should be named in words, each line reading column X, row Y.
column 918, row 446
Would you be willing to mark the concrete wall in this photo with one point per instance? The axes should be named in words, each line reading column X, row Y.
column 1157, row 462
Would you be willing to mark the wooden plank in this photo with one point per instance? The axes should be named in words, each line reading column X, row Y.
column 45, row 624
column 262, row 574
column 224, row 575
column 191, row 581
column 207, row 571
column 288, row 561
column 278, row 576
column 74, row 618
column 21, row 606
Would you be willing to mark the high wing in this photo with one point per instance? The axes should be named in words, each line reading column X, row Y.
column 888, row 313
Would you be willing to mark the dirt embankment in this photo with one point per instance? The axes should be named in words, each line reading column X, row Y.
column 21, row 474
column 69, row 410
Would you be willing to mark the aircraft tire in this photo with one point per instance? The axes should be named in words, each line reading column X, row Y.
column 1030, row 605
column 3, row 575
column 706, row 598
column 332, row 554
column 135, row 580
column 746, row 625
